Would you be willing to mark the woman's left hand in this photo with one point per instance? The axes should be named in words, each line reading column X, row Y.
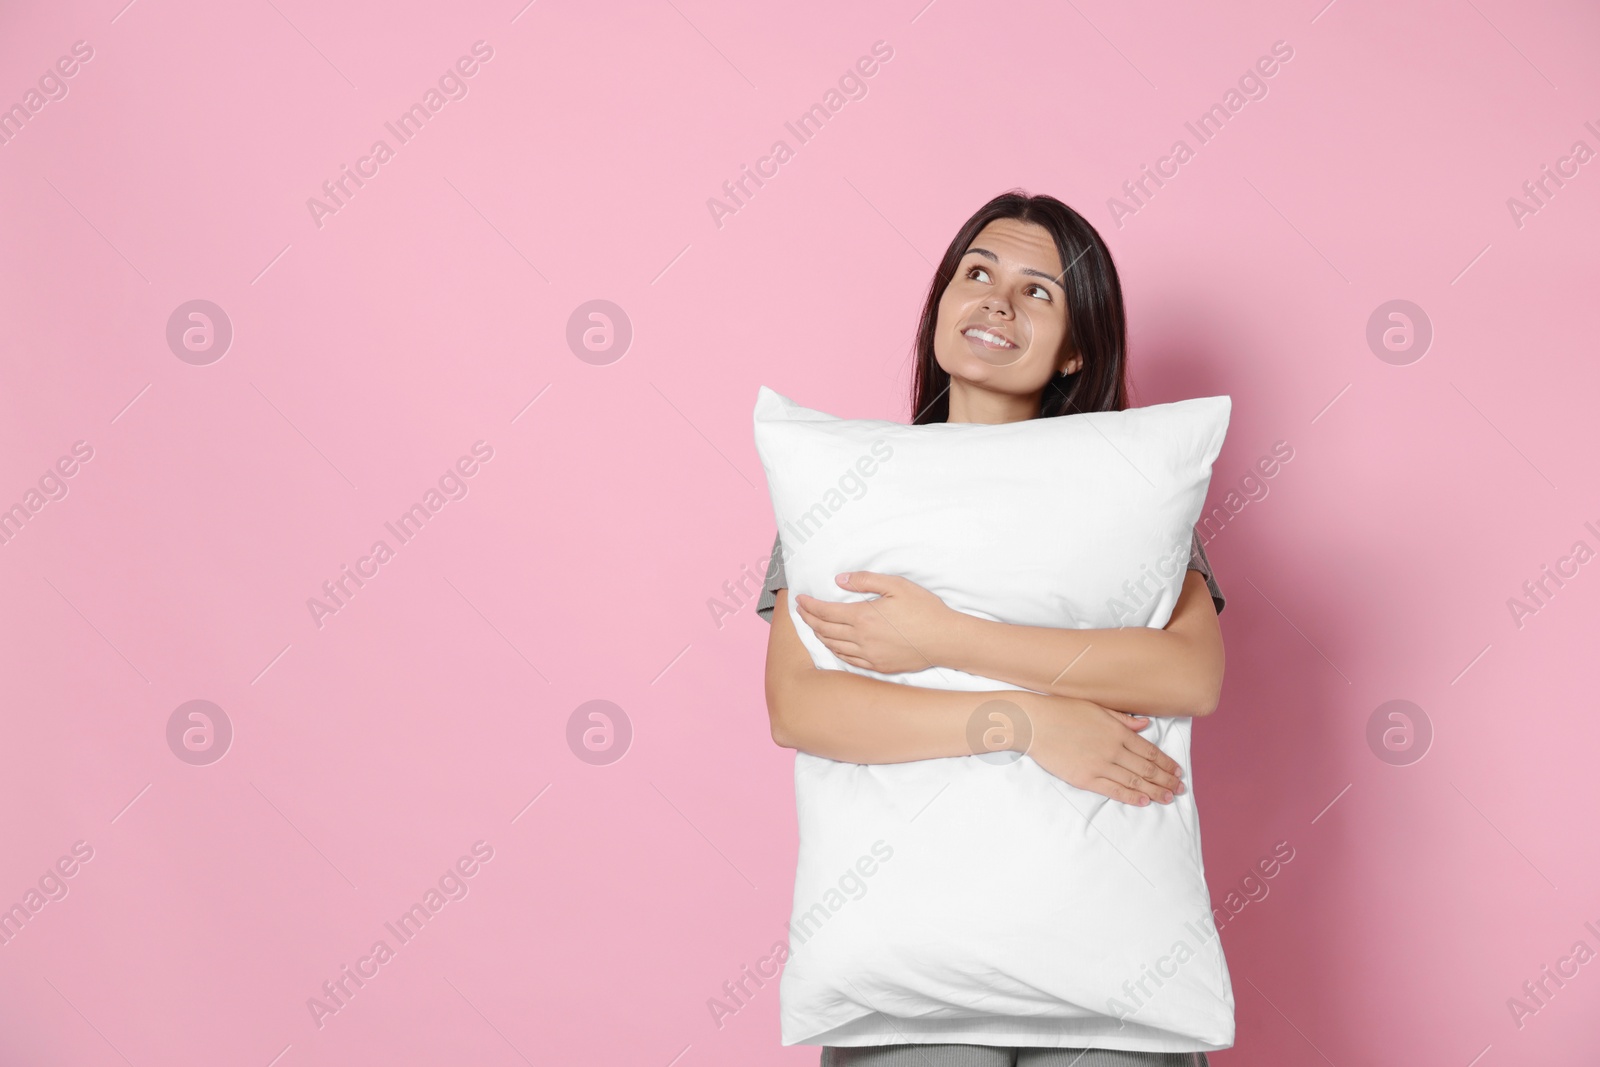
column 904, row 628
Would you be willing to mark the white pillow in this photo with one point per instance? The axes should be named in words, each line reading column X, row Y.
column 978, row 899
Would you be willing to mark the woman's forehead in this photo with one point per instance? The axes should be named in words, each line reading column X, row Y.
column 1022, row 244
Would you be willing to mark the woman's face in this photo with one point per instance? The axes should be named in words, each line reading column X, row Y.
column 1003, row 318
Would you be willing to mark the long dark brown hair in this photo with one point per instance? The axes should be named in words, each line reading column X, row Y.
column 1097, row 327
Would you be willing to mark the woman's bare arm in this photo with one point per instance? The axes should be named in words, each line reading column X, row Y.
column 1173, row 671
column 855, row 719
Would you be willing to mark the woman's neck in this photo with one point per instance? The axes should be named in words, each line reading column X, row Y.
column 969, row 403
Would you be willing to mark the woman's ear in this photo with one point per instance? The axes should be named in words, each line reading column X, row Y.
column 1072, row 366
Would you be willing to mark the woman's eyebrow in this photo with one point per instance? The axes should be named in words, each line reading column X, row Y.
column 1052, row 279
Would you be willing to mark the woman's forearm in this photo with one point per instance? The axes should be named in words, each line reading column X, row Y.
column 1138, row 669
column 855, row 719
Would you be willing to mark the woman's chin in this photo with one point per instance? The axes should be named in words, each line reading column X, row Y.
column 991, row 357
column 975, row 371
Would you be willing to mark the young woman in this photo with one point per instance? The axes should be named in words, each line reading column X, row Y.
column 1023, row 320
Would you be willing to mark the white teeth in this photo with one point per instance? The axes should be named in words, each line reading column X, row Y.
column 985, row 335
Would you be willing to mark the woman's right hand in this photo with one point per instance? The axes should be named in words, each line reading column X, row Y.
column 1094, row 748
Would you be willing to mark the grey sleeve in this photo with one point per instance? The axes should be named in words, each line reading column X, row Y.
column 1198, row 562
column 773, row 582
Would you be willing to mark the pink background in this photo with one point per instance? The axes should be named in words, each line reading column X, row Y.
column 431, row 311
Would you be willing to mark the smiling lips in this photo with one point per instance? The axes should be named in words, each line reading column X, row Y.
column 988, row 338
column 985, row 340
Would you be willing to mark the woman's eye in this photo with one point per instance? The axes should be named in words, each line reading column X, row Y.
column 978, row 273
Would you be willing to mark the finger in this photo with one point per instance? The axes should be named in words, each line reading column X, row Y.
column 827, row 610
column 1150, row 774
column 831, row 631
column 1141, row 747
column 1128, row 718
column 814, row 609
column 827, row 617
column 844, row 649
column 1108, row 787
column 836, row 613
column 1147, row 762
column 1137, row 782
column 865, row 581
